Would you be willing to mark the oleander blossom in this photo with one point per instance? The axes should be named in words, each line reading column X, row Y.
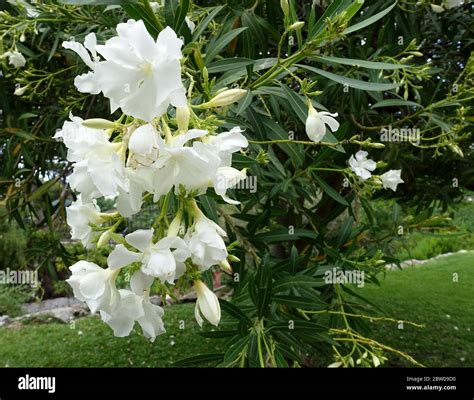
column 391, row 179
column 163, row 260
column 134, row 306
column 139, row 75
column 317, row 121
column 362, row 166
column 205, row 242
column 94, row 285
column 80, row 216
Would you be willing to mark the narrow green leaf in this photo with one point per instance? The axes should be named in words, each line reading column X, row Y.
column 395, row 103
column 330, row 191
column 227, row 64
column 296, row 281
column 215, row 47
column 354, row 83
column 358, row 63
column 370, row 20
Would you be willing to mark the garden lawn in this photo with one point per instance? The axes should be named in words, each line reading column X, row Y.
column 90, row 343
column 423, row 294
column 428, row 294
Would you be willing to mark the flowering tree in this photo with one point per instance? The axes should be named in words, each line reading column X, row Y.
column 258, row 144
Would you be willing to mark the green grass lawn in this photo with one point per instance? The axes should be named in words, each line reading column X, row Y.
column 427, row 294
column 423, row 294
column 92, row 344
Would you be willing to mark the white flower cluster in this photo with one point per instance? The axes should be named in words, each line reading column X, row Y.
column 316, row 129
column 143, row 156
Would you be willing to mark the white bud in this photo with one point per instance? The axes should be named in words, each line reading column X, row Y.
column 225, row 98
column 436, row 8
column 98, row 123
column 207, row 304
column 19, row 91
column 296, row 26
column 104, row 239
column 182, row 118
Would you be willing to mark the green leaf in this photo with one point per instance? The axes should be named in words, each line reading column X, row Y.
column 293, row 260
column 299, row 302
column 227, row 64
column 370, row 20
column 244, row 103
column 43, row 189
column 282, row 235
column 181, row 14
column 289, row 282
column 234, row 311
column 210, row 207
column 144, row 12
column 202, row 358
column 357, row 63
column 354, row 83
column 215, row 47
column 297, row 103
column 330, row 191
column 345, row 231
column 235, row 350
column 201, row 27
column 395, row 103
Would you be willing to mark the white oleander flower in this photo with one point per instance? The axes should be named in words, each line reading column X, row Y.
column 134, row 306
column 191, row 25
column 227, row 178
column 207, row 305
column 391, row 179
column 139, row 75
column 79, row 217
column 163, row 260
column 317, row 121
column 86, row 83
column 15, row 58
column 205, row 241
column 80, row 140
column 98, row 169
column 178, row 164
column 94, row 285
column 224, row 145
column 139, row 180
column 361, row 165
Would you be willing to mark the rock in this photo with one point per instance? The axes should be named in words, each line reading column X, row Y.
column 4, row 320
column 50, row 304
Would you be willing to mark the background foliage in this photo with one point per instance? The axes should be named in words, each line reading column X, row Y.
column 376, row 64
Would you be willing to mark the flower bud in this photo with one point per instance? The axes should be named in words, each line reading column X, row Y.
column 182, row 118
column 207, row 304
column 98, row 123
column 377, row 145
column 224, row 264
column 285, row 7
column 104, row 239
column 225, row 98
column 19, row 91
column 436, row 8
column 296, row 26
